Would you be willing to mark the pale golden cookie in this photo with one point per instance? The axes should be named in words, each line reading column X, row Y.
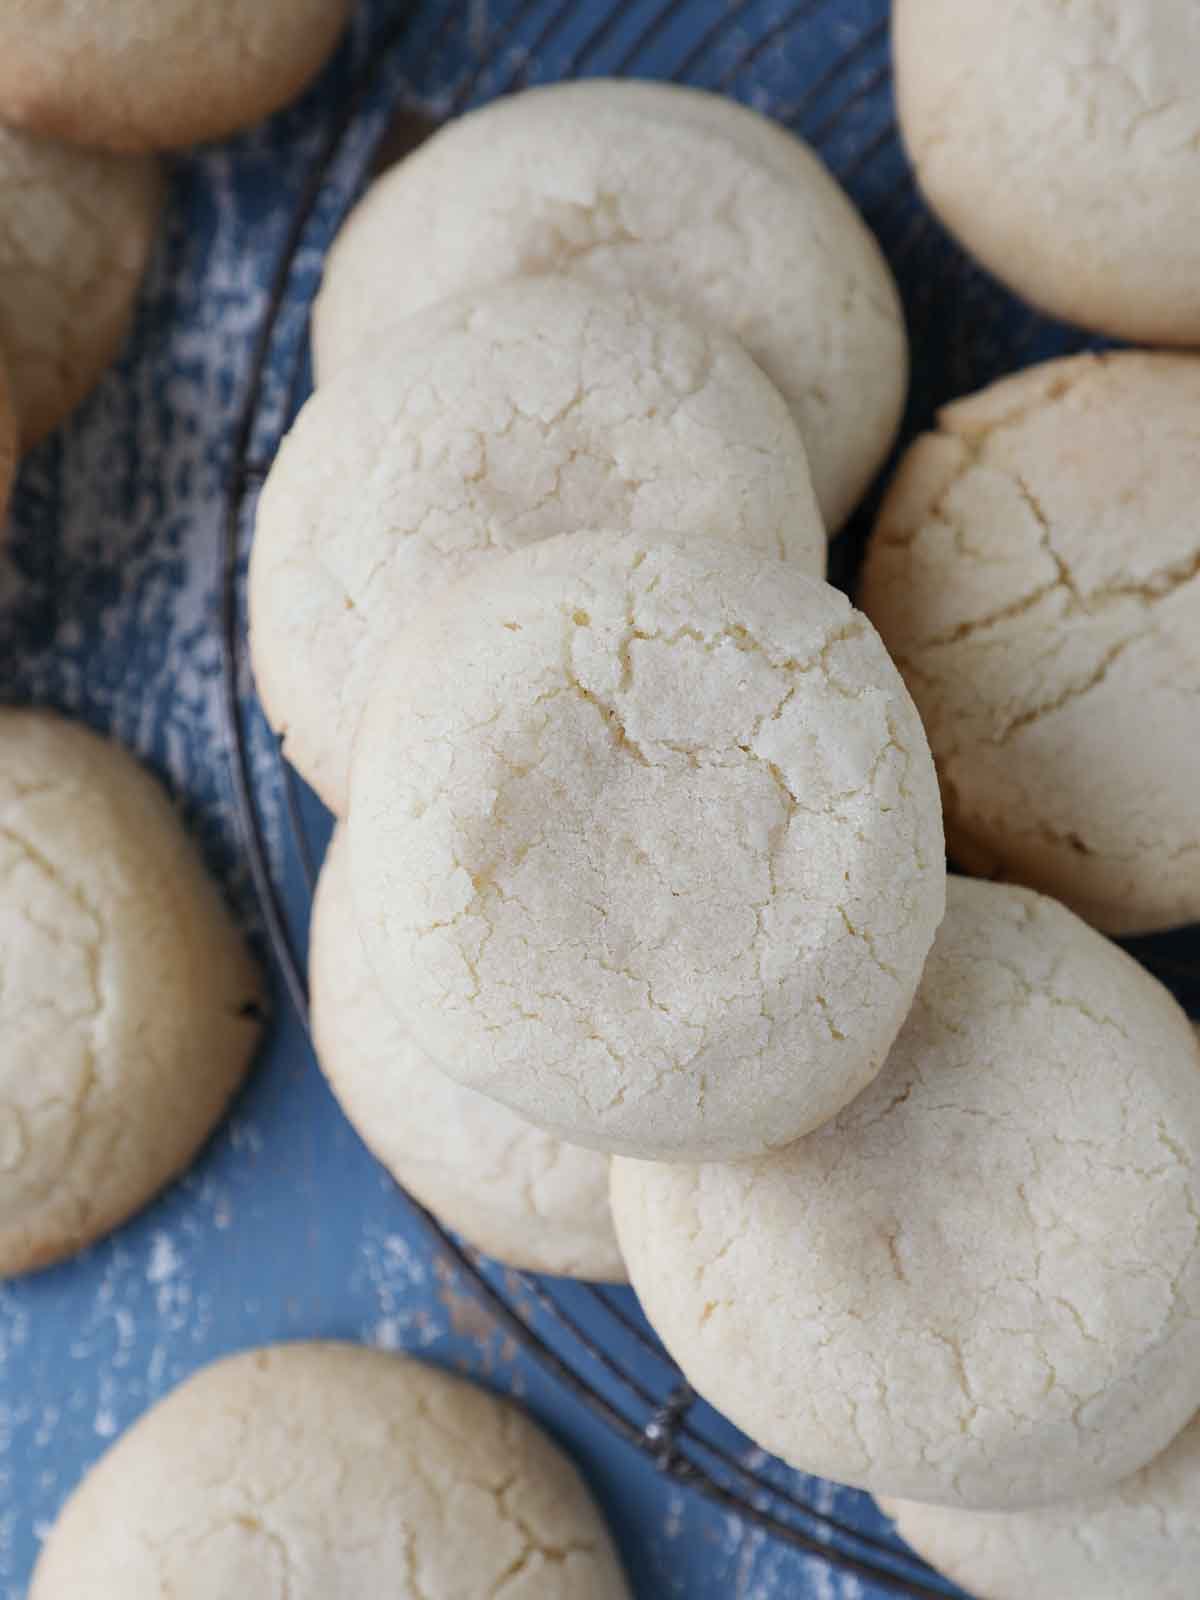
column 684, row 195
column 1060, row 140
column 514, row 1192
column 1035, row 573
column 1137, row 1541
column 480, row 426
column 645, row 843
column 152, row 74
column 979, row 1285
column 76, row 230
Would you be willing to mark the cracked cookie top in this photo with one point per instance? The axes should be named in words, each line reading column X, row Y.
column 685, row 195
column 980, row 1283
column 1138, row 1541
column 307, row 1471
column 152, row 74
column 515, row 1192
column 479, row 426
column 76, row 230
column 129, row 1005
column 1035, row 572
column 1061, row 143
column 645, row 843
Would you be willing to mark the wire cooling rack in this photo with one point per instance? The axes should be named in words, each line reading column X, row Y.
column 821, row 67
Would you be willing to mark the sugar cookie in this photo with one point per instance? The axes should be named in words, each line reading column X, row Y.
column 1138, row 1541
column 76, row 229
column 479, row 426
column 150, row 74
column 130, row 1007
column 1036, row 575
column 980, row 1284
column 1061, row 143
column 319, row 1470
column 687, row 195
column 657, row 864
column 513, row 1191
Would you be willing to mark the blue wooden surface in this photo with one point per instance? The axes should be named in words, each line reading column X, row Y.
column 285, row 1227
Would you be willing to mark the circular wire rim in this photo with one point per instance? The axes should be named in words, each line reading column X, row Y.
column 679, row 1450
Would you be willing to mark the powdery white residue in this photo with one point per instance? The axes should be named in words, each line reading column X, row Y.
column 394, row 1271
column 164, row 1259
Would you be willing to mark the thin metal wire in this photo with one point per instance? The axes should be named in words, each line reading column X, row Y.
column 648, row 34
column 836, row 70
column 609, row 22
column 721, row 24
column 487, row 57
column 862, row 91
column 867, row 152
column 554, row 24
column 291, row 791
column 773, row 35
column 659, row 1418
column 651, row 1347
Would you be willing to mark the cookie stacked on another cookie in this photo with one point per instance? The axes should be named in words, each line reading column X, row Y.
column 686, row 196
column 481, row 426
column 514, row 1191
column 645, row 843
column 979, row 1285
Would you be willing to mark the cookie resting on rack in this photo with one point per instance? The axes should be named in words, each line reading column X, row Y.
column 512, row 1191
column 1035, row 573
column 685, row 195
column 979, row 1285
column 1061, row 144
column 1137, row 1541
column 645, row 843
column 481, row 425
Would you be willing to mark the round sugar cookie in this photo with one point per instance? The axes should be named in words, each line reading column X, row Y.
column 1137, row 1541
column 130, row 1007
column 1035, row 573
column 686, row 195
column 151, row 74
column 1061, row 143
column 979, row 1285
column 309, row 1471
column 76, row 229
column 514, row 1192
column 483, row 424
column 657, row 861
